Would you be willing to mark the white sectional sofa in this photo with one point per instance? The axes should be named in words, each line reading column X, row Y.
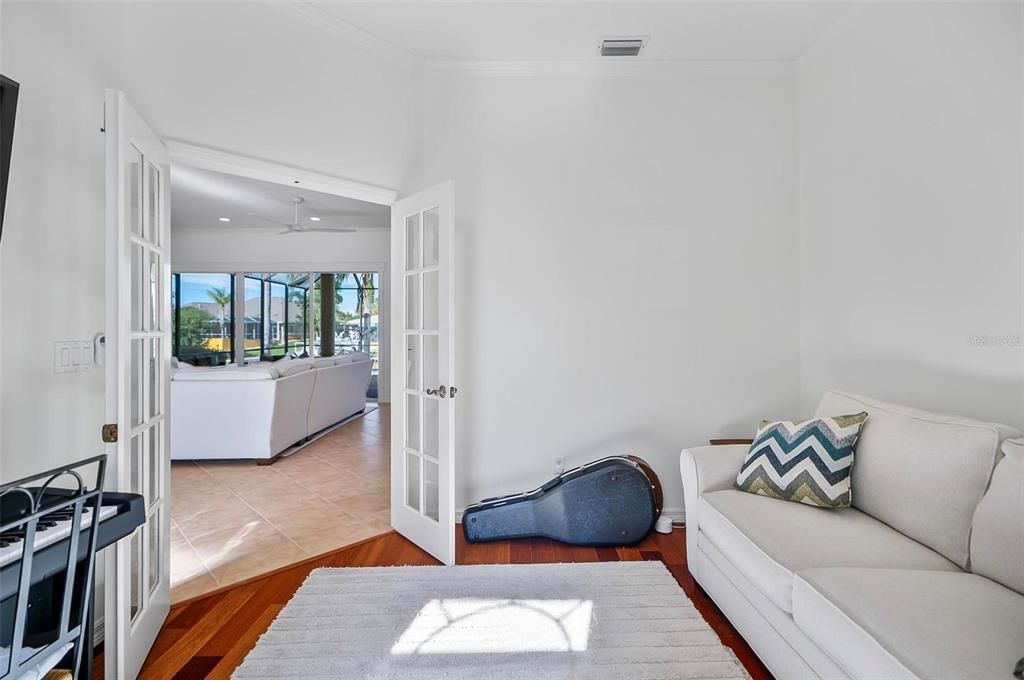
column 922, row 578
column 258, row 411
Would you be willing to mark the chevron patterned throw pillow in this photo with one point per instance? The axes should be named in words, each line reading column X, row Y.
column 808, row 462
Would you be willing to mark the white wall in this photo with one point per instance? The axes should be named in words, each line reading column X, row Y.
column 203, row 250
column 911, row 193
column 247, row 77
column 627, row 262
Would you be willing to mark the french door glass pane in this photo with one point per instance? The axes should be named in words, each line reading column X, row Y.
column 153, row 198
column 429, row 358
column 430, row 306
column 135, row 453
column 139, row 285
column 137, row 356
column 135, row 573
column 412, row 481
column 153, row 547
column 155, row 361
column 412, row 241
column 430, row 489
column 431, row 423
column 156, row 447
column 133, row 177
column 156, row 307
column 412, row 422
column 412, row 362
column 430, row 244
column 412, row 301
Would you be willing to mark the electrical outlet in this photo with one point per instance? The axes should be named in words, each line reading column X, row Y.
column 559, row 465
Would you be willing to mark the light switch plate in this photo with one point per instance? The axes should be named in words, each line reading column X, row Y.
column 72, row 355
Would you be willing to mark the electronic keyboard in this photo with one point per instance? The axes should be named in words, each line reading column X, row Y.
column 120, row 515
column 49, row 529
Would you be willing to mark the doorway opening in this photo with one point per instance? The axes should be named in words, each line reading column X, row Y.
column 279, row 319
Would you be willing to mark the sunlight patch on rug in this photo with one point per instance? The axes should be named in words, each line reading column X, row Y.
column 493, row 626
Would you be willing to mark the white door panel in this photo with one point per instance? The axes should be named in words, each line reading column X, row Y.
column 138, row 351
column 423, row 382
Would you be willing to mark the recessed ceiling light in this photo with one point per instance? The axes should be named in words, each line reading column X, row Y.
column 224, row 219
column 314, row 219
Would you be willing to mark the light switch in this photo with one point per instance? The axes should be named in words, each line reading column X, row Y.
column 72, row 356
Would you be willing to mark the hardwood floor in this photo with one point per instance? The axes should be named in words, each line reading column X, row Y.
column 207, row 637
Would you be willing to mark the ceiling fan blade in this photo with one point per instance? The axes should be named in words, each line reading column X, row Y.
column 289, row 230
column 267, row 219
column 329, row 230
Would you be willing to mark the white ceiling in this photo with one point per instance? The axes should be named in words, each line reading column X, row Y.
column 523, row 30
column 199, row 198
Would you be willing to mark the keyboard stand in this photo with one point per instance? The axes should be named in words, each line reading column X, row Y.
column 29, row 509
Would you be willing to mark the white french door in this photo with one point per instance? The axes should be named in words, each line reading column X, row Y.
column 138, row 358
column 423, row 386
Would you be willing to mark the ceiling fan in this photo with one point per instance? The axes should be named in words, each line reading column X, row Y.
column 296, row 227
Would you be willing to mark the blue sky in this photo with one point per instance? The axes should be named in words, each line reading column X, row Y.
column 194, row 286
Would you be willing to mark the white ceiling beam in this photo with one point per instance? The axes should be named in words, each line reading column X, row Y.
column 228, row 163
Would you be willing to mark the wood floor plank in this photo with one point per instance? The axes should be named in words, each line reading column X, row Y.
column 197, row 668
column 520, row 552
column 244, row 643
column 210, row 636
column 189, row 645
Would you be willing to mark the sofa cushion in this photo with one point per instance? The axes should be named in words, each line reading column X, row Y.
column 323, row 362
column 921, row 473
column 807, row 462
column 294, row 366
column 222, row 374
column 997, row 537
column 894, row 623
column 260, row 367
column 342, row 359
column 769, row 540
column 358, row 356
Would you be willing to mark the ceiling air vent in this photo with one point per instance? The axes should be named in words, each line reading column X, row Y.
column 621, row 47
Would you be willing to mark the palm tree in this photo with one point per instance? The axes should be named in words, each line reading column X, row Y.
column 222, row 297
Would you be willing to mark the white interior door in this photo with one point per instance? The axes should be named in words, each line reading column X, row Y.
column 423, row 381
column 138, row 358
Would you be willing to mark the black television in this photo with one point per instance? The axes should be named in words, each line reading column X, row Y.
column 8, row 106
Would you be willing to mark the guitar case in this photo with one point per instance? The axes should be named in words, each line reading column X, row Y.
column 613, row 501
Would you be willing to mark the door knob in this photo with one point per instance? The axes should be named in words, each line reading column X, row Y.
column 441, row 391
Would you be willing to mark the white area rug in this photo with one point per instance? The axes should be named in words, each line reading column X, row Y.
column 591, row 621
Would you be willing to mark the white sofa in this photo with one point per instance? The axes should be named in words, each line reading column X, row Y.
column 922, row 578
column 257, row 411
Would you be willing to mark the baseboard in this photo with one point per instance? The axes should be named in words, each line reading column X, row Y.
column 678, row 515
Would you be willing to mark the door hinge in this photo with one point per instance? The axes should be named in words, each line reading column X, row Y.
column 109, row 433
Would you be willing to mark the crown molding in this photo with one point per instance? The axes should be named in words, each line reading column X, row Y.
column 216, row 160
column 613, row 66
column 326, row 20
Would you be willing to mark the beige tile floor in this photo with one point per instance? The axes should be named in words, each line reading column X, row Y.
column 231, row 521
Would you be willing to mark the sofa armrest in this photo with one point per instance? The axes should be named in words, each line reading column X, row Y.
column 711, row 468
column 706, row 468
